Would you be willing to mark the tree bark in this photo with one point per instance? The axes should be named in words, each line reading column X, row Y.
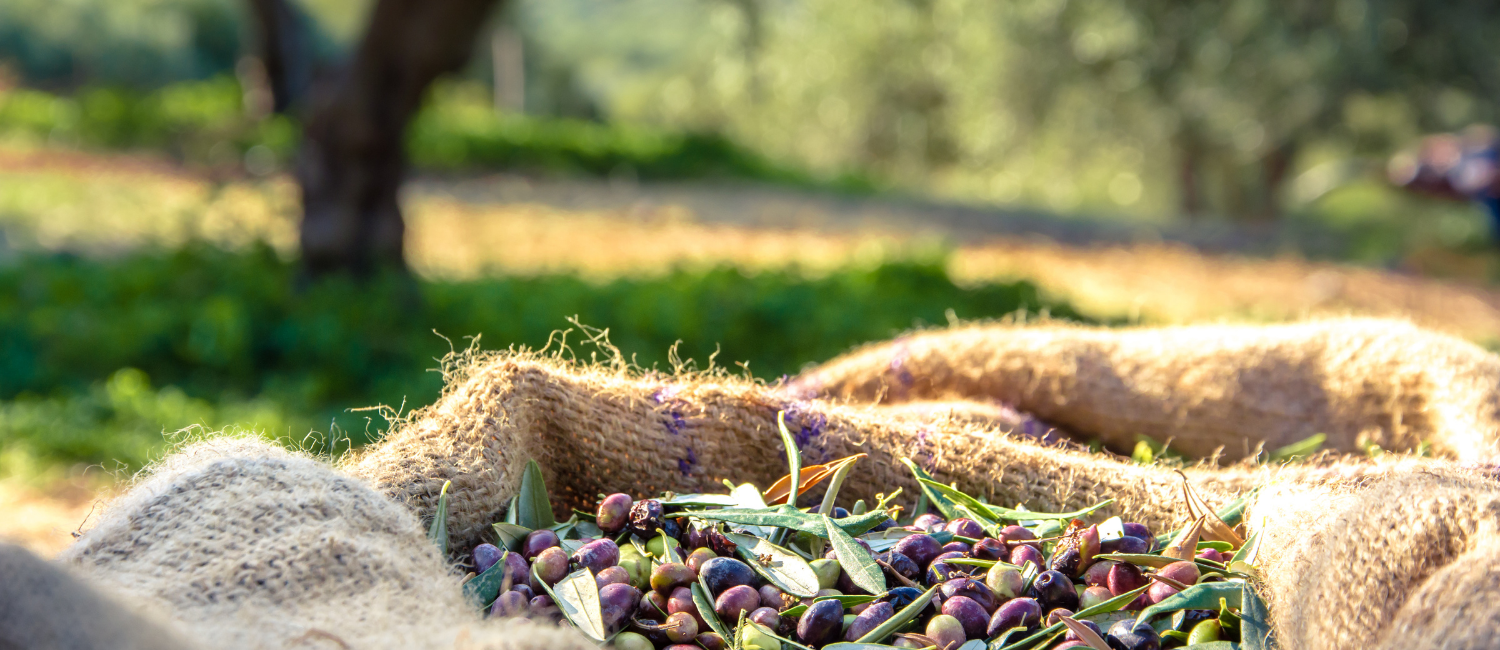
column 284, row 46
column 352, row 161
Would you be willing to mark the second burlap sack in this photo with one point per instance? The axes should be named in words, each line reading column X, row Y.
column 1208, row 389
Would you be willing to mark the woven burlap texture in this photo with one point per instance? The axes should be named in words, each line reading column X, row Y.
column 239, row 544
column 1203, row 387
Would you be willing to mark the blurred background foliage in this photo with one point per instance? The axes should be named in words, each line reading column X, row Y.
column 1270, row 113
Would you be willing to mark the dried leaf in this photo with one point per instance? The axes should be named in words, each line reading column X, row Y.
column 1186, row 544
column 1214, row 528
column 808, row 477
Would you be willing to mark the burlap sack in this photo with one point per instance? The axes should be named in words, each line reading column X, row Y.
column 1204, row 388
column 236, row 543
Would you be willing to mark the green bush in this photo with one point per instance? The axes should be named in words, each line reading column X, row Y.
column 230, row 341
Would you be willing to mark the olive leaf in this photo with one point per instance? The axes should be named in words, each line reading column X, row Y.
column 1214, row 528
column 1203, row 595
column 855, row 560
column 790, row 518
column 793, row 459
column 705, row 605
column 942, row 503
column 976, row 644
column 511, row 535
column 785, row 569
column 1248, row 552
column 1255, row 621
column 513, row 511
column 907, row 613
column 1231, row 514
column 701, row 501
column 1300, row 449
column 438, row 532
column 1186, row 543
column 1111, row 529
column 481, row 590
column 963, row 505
column 577, row 596
column 533, row 508
column 1106, row 607
column 1085, row 633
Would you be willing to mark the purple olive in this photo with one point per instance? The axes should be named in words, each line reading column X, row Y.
column 1097, row 575
column 965, row 527
column 940, row 571
column 516, row 570
column 1129, row 634
column 767, row 617
column 646, row 517
column 696, row 559
column 920, row 548
column 928, row 522
column 597, row 556
column 711, row 641
column 682, row 601
column 612, row 575
column 614, row 513
column 1212, row 555
column 974, row 590
column 1020, row 555
column 1093, row 596
column 1053, row 589
column 551, row 565
column 1139, row 531
column 653, row 607
column 1055, row 616
column 524, row 590
column 900, row 597
column 1014, row 533
column 485, row 556
column 617, row 602
column 990, row 548
column 1124, row 577
column 721, row 573
column 542, row 608
column 1016, row 612
column 680, row 627
column 899, row 564
column 736, row 600
column 1073, row 636
column 869, row 619
column 671, row 575
column 1160, row 591
column 1134, row 545
column 969, row 613
column 774, row 598
column 510, row 604
column 955, row 547
column 538, row 541
column 821, row 623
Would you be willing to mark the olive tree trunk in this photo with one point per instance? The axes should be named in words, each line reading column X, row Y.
column 352, row 161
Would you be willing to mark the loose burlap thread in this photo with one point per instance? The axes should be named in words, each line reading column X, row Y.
column 1208, row 389
column 235, row 544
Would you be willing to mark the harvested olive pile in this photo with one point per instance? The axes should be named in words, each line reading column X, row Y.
column 751, row 570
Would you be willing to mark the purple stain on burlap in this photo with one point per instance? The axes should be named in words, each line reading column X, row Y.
column 923, row 454
column 685, row 465
column 806, row 426
column 899, row 371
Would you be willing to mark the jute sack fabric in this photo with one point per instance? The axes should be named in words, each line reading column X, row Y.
column 594, row 430
column 235, row 543
column 1207, row 388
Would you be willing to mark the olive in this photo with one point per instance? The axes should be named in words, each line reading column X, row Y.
column 632, row 641
column 653, row 607
column 1093, row 596
column 1055, row 616
column 946, row 631
column 1212, row 555
column 542, row 607
column 721, row 573
column 1073, row 636
column 1128, row 634
column 990, row 548
column 1020, row 555
column 1097, row 575
column 1052, row 590
column 969, row 613
column 897, row 563
column 1016, row 612
column 828, row 572
column 551, row 565
column 974, row 590
column 696, row 559
column 928, row 523
column 485, row 556
column 965, row 527
column 869, row 619
column 774, row 598
column 1138, row 531
column 524, row 591
column 955, row 547
column 900, row 597
column 821, row 623
column 614, row 513
column 1005, row 581
column 671, row 575
column 754, row 638
column 596, row 556
column 509, row 604
column 617, row 602
column 538, row 541
column 1204, row 632
column 735, row 601
column 516, row 569
column 645, row 517
column 680, row 627
column 612, row 576
column 920, row 548
column 1126, row 544
column 767, row 617
column 711, row 641
column 681, row 600
column 1124, row 577
column 1015, row 533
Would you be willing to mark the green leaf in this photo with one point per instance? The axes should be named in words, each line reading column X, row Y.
column 1300, row 449
column 942, row 503
column 588, row 529
column 535, row 509
column 438, row 532
column 511, row 535
column 1216, row 645
column 906, row 615
column 702, row 500
column 855, row 560
column 963, row 504
column 790, row 518
column 578, row 597
column 793, row 457
column 481, row 590
column 705, row 605
column 1204, row 595
column 787, row 570
column 1222, row 547
column 1255, row 621
column 976, row 644
column 846, row 601
column 1248, row 552
column 513, row 511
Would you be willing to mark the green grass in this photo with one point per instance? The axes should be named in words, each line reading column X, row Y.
column 98, row 357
